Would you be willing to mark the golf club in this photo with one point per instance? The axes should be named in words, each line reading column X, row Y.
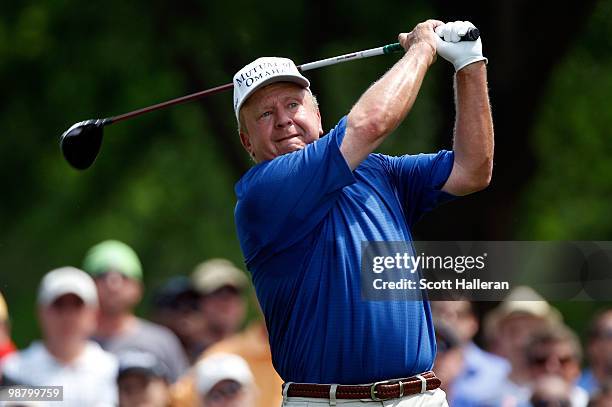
column 81, row 143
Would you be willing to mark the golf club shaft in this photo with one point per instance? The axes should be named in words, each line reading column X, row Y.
column 471, row 35
column 172, row 102
column 387, row 49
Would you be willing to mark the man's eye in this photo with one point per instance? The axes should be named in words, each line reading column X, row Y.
column 266, row 114
column 293, row 105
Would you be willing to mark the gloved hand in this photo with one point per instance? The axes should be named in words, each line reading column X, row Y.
column 458, row 53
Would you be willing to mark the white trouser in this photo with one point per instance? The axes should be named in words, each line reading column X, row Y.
column 432, row 398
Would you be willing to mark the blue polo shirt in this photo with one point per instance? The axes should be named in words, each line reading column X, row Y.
column 301, row 220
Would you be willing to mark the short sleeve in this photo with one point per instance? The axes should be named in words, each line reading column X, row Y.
column 419, row 179
column 282, row 200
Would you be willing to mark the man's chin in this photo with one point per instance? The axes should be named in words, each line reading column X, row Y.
column 295, row 148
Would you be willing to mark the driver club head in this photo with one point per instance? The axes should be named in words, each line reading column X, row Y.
column 81, row 143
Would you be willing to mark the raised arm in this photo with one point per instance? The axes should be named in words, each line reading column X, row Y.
column 473, row 135
column 473, row 138
column 387, row 102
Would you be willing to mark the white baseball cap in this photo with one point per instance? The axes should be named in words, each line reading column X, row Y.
column 67, row 280
column 221, row 366
column 262, row 72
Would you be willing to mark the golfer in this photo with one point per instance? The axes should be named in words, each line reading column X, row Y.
column 310, row 201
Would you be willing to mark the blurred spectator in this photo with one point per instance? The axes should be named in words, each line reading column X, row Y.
column 176, row 305
column 507, row 330
column 142, row 381
column 599, row 353
column 221, row 286
column 478, row 366
column 603, row 396
column 551, row 391
column 67, row 306
column 117, row 272
column 253, row 346
column 449, row 356
column 224, row 380
column 6, row 344
column 555, row 350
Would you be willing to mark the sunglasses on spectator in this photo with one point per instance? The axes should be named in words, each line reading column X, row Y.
column 541, row 360
column 604, row 334
column 551, row 402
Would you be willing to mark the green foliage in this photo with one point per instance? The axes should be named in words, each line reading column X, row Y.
column 569, row 198
column 163, row 183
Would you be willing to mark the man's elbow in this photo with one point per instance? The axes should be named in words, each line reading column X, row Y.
column 483, row 181
column 373, row 124
column 470, row 181
column 481, row 178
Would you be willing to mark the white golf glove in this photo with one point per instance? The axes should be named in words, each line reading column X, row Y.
column 458, row 53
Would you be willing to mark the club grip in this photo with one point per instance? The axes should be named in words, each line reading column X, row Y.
column 471, row 35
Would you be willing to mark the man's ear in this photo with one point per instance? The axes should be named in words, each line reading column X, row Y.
column 245, row 139
column 320, row 125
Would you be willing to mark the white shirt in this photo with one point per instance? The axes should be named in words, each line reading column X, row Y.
column 88, row 381
column 579, row 397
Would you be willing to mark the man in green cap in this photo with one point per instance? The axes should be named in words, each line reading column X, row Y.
column 117, row 272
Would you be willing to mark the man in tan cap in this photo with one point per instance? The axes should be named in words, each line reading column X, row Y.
column 508, row 329
column 221, row 286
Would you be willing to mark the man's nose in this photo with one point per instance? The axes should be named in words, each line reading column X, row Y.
column 553, row 365
column 283, row 119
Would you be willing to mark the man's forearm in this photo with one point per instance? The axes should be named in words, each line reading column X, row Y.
column 387, row 102
column 473, row 141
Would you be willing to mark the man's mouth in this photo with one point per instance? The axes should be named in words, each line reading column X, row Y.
column 287, row 137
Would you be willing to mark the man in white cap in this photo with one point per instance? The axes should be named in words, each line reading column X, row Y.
column 67, row 306
column 224, row 380
column 309, row 204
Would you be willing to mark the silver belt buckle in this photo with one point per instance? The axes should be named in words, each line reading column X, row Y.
column 373, row 391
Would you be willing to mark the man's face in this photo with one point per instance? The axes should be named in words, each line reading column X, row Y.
column 184, row 318
column 224, row 309
column 459, row 315
column 139, row 390
column 117, row 292
column 279, row 119
column 67, row 319
column 513, row 333
column 228, row 393
column 556, row 358
column 600, row 347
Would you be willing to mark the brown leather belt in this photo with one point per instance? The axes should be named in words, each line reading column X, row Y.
column 385, row 390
